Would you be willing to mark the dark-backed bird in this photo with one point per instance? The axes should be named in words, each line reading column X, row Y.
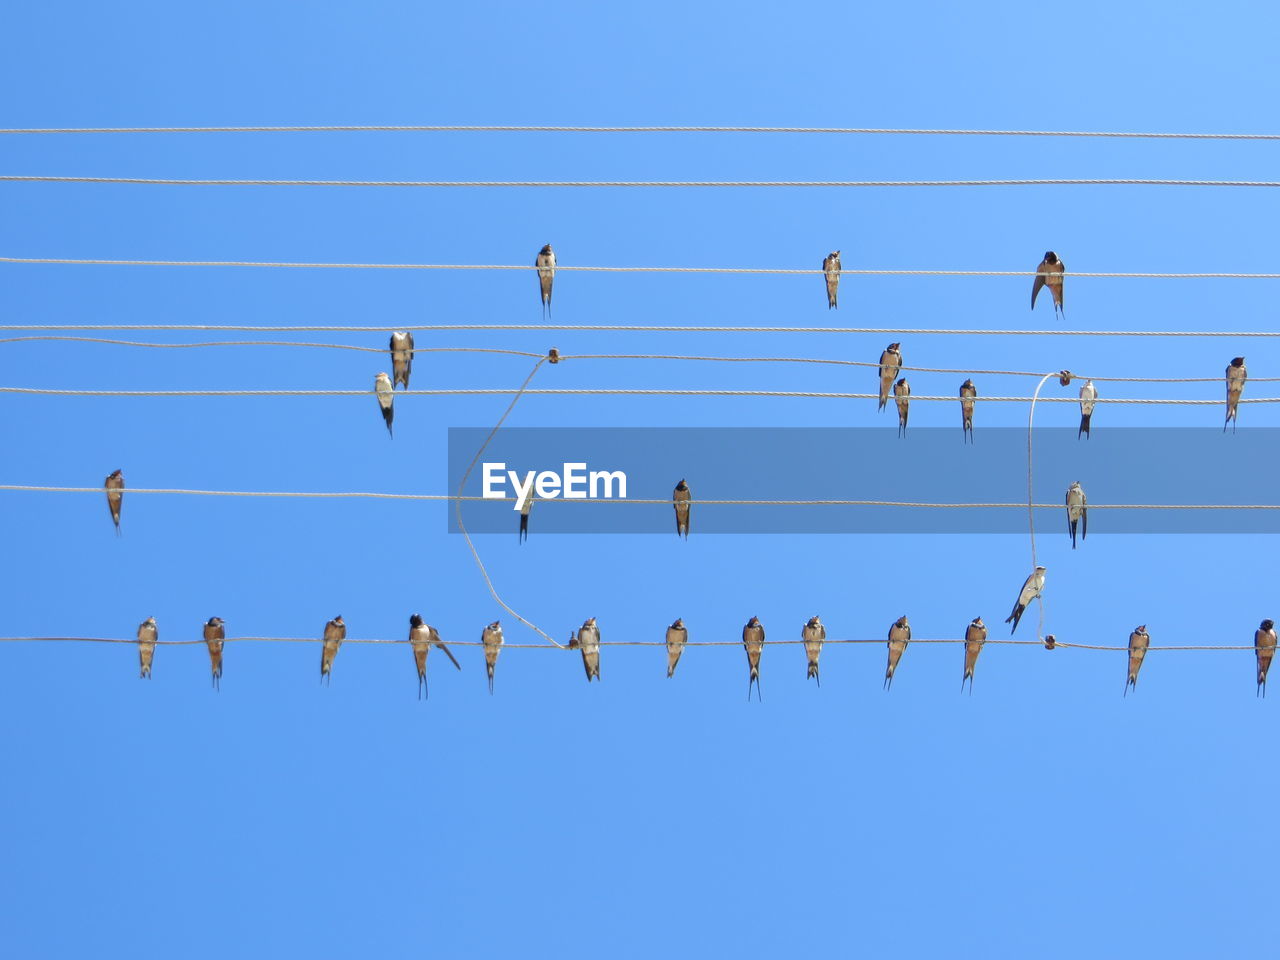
column 335, row 631
column 589, row 644
column 1077, row 512
column 1049, row 272
column 1031, row 588
column 677, row 637
column 968, row 394
column 1236, row 376
column 546, row 264
column 813, row 633
column 386, row 399
column 526, row 506
column 491, row 640
column 899, row 637
column 902, row 397
column 147, row 636
column 401, row 357
column 213, row 637
column 753, row 641
column 680, row 499
column 1264, row 645
column 890, row 364
column 1139, row 641
column 975, row 635
column 114, row 485
column 421, row 637
column 831, row 270
column 1088, row 396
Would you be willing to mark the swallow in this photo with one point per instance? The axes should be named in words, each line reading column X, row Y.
column 335, row 631
column 114, row 485
column 1236, row 376
column 902, row 397
column 589, row 643
column 1065, row 377
column 213, row 637
column 1031, row 588
column 421, row 636
column 677, row 637
column 813, row 633
column 753, row 641
column 383, row 387
column 975, row 635
column 526, row 505
column 147, row 636
column 968, row 394
column 890, row 364
column 401, row 357
column 899, row 637
column 1077, row 512
column 831, row 270
column 1264, row 644
column 1088, row 396
column 546, row 264
column 680, row 500
column 1049, row 272
column 1138, row 643
column 491, row 639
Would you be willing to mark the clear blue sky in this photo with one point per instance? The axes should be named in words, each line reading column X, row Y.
column 1044, row 815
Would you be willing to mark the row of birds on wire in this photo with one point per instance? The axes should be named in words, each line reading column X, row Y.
column 423, row 636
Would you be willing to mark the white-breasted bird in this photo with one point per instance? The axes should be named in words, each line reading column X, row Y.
column 1088, row 396
column 589, row 644
column 1077, row 512
column 1031, row 588
column 383, row 387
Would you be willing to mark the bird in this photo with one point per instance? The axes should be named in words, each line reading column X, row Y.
column 525, row 506
column 589, row 643
column 401, row 357
column 335, row 631
column 975, row 635
column 968, row 394
column 677, row 637
column 1236, row 376
column 383, row 387
column 546, row 264
column 831, row 270
column 680, row 499
column 899, row 637
column 1264, row 644
column 1049, row 272
column 1138, row 643
column 753, row 641
column 813, row 633
column 902, row 397
column 1088, row 396
column 114, row 485
column 1077, row 512
column 890, row 364
column 147, row 635
column 421, row 636
column 1031, row 588
column 213, row 637
column 491, row 639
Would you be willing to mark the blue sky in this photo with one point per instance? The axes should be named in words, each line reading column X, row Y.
column 1044, row 815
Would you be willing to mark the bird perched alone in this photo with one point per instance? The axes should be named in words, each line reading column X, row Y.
column 147, row 636
column 114, row 485
column 401, row 357
column 1031, row 588
column 386, row 399
column 1139, row 641
column 1236, row 376
column 526, row 505
column 753, row 641
column 899, row 637
column 890, row 364
column 421, row 637
column 831, row 271
column 975, row 635
column 813, row 633
column 677, row 637
column 680, row 500
column 1264, row 645
column 589, row 644
column 902, row 397
column 546, row 264
column 1077, row 512
column 335, row 631
column 491, row 640
column 968, row 394
column 213, row 637
column 1049, row 273
column 1088, row 396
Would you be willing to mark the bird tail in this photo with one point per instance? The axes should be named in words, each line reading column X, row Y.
column 813, row 673
column 1084, row 425
column 1015, row 617
column 489, row 668
column 524, row 527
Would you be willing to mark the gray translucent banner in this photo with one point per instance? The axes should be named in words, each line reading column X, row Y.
column 1124, row 473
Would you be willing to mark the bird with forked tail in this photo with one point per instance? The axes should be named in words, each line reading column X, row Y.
column 899, row 637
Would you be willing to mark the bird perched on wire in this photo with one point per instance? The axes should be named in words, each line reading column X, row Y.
column 386, row 399
column 1031, row 588
column 968, row 394
column 147, row 636
column 1088, row 396
column 1236, row 376
column 114, row 485
column 677, row 637
column 491, row 640
column 899, row 637
column 1049, row 273
column 546, row 264
column 680, row 499
column 975, row 635
column 213, row 637
column 831, row 271
column 1077, row 512
column 890, row 364
column 335, row 631
column 589, row 644
column 526, row 505
column 421, row 637
column 401, row 357
column 813, row 633
column 902, row 397
column 1264, row 645
column 753, row 641
column 1139, row 641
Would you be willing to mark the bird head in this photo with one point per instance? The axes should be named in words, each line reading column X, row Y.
column 415, row 620
column 977, row 622
column 678, row 625
column 338, row 620
column 1050, row 257
column 1235, row 362
column 901, row 621
column 150, row 621
column 814, row 621
column 1141, row 629
column 753, row 622
column 215, row 621
column 682, row 485
column 1267, row 625
column 589, row 622
column 1040, row 569
column 893, row 347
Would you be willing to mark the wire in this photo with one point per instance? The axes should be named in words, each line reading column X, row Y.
column 509, row 128
column 1042, row 182
column 279, row 343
